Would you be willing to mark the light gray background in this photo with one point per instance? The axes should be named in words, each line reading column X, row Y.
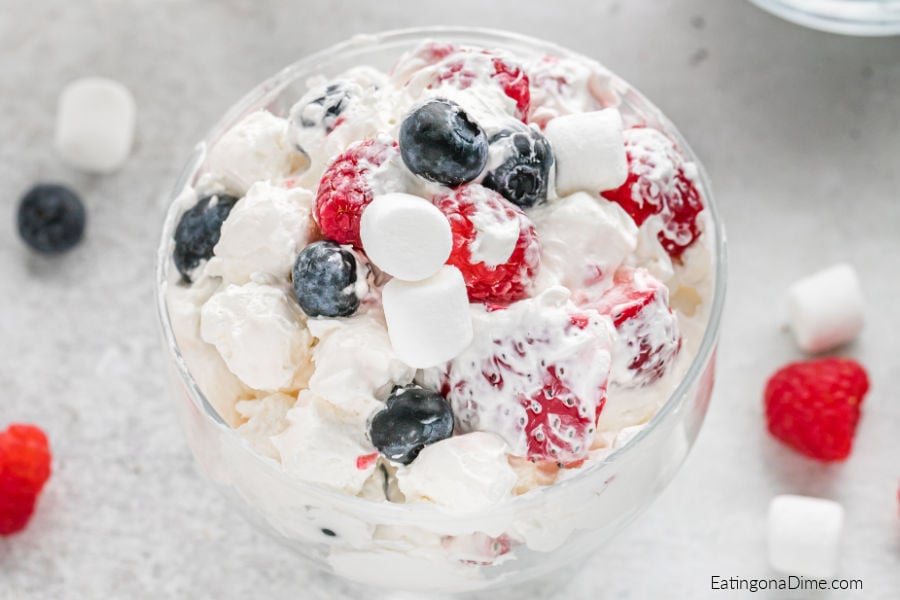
column 799, row 130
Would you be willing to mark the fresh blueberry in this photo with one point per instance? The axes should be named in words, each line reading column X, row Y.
column 325, row 276
column 439, row 142
column 411, row 419
column 325, row 107
column 519, row 166
column 198, row 231
column 51, row 218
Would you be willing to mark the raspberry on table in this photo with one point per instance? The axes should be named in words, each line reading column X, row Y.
column 24, row 469
column 346, row 189
column 814, row 406
column 486, row 227
column 659, row 183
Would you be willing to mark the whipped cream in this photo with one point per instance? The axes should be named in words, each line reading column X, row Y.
column 464, row 473
column 258, row 330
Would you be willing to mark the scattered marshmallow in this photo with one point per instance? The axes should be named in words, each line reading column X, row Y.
column 259, row 333
column 428, row 321
column 590, row 151
column 95, row 124
column 405, row 236
column 257, row 148
column 804, row 535
column 464, row 473
column 825, row 309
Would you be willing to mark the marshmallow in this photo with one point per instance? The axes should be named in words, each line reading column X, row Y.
column 257, row 148
column 590, row 151
column 259, row 332
column 825, row 309
column 95, row 124
column 464, row 473
column 428, row 321
column 804, row 535
column 405, row 236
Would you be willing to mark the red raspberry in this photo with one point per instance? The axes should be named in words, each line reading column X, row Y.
column 658, row 184
column 814, row 406
column 346, row 189
column 24, row 468
column 536, row 375
column 472, row 210
column 648, row 337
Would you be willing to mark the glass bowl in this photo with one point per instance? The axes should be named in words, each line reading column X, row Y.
column 404, row 546
column 849, row 17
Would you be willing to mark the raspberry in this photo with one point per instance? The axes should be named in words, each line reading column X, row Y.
column 24, row 468
column 461, row 67
column 814, row 406
column 485, row 227
column 477, row 548
column 536, row 375
column 346, row 188
column 648, row 337
column 659, row 184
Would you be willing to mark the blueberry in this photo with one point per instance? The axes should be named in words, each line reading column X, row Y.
column 325, row 108
column 439, row 142
column 413, row 417
column 523, row 160
column 51, row 218
column 325, row 276
column 198, row 231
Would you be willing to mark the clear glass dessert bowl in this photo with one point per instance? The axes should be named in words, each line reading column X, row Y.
column 848, row 17
column 417, row 546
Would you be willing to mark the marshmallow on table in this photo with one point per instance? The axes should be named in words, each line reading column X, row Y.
column 826, row 309
column 590, row 151
column 95, row 124
column 428, row 321
column 406, row 236
column 804, row 535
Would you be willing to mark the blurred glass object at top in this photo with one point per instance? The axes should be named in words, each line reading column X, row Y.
column 848, row 17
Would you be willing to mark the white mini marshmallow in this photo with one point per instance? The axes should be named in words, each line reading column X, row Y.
column 428, row 321
column 826, row 309
column 257, row 148
column 405, row 236
column 95, row 124
column 804, row 535
column 590, row 151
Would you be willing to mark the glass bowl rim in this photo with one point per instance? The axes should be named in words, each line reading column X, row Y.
column 307, row 64
column 867, row 19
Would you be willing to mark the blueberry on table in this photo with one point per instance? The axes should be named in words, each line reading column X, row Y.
column 438, row 141
column 198, row 231
column 51, row 218
column 323, row 110
column 523, row 172
column 325, row 277
column 413, row 417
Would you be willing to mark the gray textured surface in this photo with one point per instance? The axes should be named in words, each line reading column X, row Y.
column 799, row 131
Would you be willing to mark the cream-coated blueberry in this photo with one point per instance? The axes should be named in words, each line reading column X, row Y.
column 826, row 309
column 95, row 124
column 405, row 236
column 465, row 473
column 257, row 148
column 258, row 330
column 590, row 151
column 804, row 535
column 428, row 321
